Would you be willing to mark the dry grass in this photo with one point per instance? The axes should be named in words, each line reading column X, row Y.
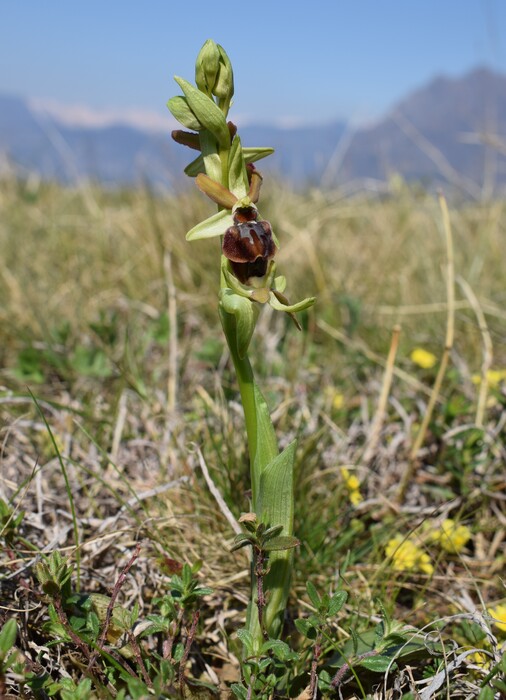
column 84, row 309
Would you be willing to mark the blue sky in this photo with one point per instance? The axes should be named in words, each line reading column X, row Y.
column 294, row 61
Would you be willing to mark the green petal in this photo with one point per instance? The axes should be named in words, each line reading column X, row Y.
column 215, row 225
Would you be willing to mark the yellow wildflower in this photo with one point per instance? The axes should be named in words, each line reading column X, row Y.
column 452, row 537
column 493, row 376
column 423, row 358
column 338, row 401
column 499, row 615
column 353, row 485
column 334, row 397
column 407, row 556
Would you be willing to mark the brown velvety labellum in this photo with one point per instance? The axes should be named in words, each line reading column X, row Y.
column 245, row 242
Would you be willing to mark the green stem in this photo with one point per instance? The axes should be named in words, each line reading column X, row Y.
column 246, row 381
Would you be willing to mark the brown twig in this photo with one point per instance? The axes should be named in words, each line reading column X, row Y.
column 186, row 653
column 314, row 666
column 110, row 608
column 339, row 677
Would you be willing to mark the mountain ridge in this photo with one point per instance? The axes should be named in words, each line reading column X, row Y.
column 432, row 135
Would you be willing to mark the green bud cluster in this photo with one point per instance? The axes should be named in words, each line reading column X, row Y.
column 213, row 73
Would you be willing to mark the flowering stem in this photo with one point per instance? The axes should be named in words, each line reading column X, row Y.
column 224, row 171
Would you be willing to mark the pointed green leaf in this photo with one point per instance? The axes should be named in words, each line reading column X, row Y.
column 215, row 225
column 241, row 540
column 8, row 635
column 207, row 111
column 275, row 505
column 336, row 602
column 272, row 532
column 245, row 637
column 181, row 111
column 305, row 628
column 280, row 544
column 378, row 664
column 313, row 594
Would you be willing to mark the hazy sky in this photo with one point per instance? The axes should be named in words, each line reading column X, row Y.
column 294, row 61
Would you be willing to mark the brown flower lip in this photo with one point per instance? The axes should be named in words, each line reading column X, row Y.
column 248, row 244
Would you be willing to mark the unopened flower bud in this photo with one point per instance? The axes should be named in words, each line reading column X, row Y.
column 207, row 67
column 224, row 86
column 213, row 72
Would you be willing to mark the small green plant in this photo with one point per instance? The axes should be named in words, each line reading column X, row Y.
column 224, row 171
column 107, row 636
column 8, row 654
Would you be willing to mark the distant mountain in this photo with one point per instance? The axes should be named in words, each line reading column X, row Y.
column 438, row 135
column 447, row 133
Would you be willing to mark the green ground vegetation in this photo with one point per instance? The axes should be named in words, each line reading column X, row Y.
column 119, row 422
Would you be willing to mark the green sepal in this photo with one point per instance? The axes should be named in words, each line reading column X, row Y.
column 207, row 112
column 245, row 313
column 181, row 111
column 237, row 176
column 215, row 225
column 251, row 154
column 291, row 308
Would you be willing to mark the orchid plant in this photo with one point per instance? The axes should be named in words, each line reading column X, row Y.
column 224, row 170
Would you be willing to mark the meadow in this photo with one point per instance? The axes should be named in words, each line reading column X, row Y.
column 123, row 449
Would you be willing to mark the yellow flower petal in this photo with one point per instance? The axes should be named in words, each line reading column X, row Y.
column 423, row 358
column 499, row 615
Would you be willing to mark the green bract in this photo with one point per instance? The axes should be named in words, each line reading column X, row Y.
column 206, row 111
